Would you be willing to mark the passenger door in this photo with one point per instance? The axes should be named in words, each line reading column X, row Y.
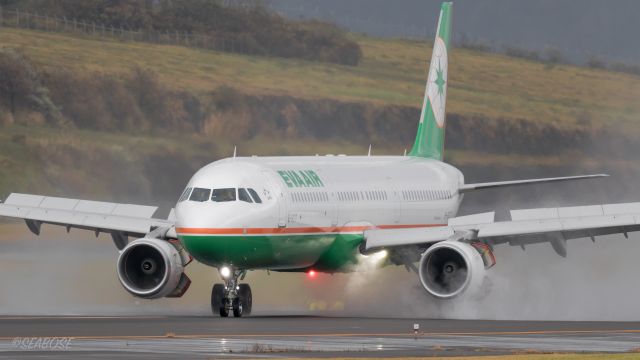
column 277, row 195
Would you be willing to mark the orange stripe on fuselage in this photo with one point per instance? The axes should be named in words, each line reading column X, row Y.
column 296, row 230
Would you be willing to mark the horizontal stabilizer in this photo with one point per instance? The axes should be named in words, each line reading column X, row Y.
column 498, row 184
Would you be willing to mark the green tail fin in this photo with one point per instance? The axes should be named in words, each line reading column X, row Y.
column 429, row 141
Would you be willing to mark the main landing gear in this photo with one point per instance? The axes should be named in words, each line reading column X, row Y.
column 231, row 296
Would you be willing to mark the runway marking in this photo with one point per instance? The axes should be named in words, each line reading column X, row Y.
column 229, row 336
column 46, row 317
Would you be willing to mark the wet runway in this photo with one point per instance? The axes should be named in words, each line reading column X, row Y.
column 297, row 336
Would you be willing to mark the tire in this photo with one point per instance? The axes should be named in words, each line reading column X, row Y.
column 224, row 312
column 217, row 300
column 246, row 298
column 237, row 308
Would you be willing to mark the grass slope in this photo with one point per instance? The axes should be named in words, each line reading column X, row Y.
column 392, row 71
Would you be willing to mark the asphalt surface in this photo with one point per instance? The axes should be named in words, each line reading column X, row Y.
column 300, row 336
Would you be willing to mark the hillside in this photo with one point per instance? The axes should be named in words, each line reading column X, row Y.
column 508, row 118
column 391, row 72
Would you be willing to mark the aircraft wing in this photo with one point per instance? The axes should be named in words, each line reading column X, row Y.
column 530, row 226
column 119, row 220
column 498, row 184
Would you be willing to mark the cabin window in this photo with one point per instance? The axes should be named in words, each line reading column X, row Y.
column 200, row 194
column 243, row 195
column 223, row 195
column 255, row 196
column 185, row 194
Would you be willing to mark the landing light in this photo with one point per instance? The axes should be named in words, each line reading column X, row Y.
column 225, row 272
column 376, row 256
column 382, row 254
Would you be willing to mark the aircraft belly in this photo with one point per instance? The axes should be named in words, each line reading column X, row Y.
column 270, row 251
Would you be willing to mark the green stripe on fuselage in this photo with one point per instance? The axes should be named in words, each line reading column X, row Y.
column 323, row 252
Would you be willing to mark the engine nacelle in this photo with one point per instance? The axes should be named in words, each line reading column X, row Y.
column 450, row 268
column 151, row 269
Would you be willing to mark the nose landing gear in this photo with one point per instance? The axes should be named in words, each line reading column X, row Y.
column 232, row 297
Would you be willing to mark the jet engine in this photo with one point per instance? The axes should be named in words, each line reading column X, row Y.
column 450, row 268
column 151, row 269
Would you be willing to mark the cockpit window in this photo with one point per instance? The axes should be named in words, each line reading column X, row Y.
column 243, row 195
column 200, row 195
column 222, row 195
column 255, row 196
column 185, row 194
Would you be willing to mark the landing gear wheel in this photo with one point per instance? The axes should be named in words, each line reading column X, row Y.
column 224, row 311
column 245, row 298
column 218, row 303
column 237, row 307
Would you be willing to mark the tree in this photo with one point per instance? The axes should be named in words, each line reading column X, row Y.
column 17, row 79
column 20, row 87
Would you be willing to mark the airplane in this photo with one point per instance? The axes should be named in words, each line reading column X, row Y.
column 312, row 214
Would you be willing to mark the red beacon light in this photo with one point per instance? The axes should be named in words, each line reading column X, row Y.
column 311, row 274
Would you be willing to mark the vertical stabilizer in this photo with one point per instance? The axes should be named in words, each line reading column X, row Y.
column 429, row 141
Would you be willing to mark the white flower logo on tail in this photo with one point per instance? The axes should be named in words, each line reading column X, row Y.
column 437, row 83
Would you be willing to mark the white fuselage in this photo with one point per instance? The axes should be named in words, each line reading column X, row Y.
column 316, row 195
column 379, row 190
